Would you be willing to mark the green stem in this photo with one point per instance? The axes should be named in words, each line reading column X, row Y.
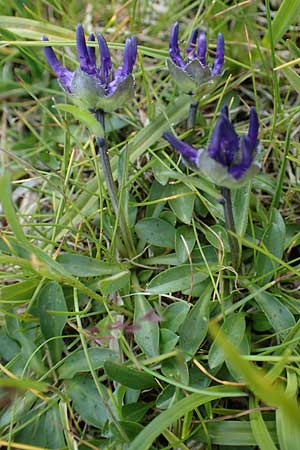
column 111, row 186
column 192, row 115
column 230, row 226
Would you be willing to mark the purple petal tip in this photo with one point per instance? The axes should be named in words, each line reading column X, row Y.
column 92, row 50
column 253, row 125
column 130, row 54
column 189, row 153
column 202, row 48
column 191, row 48
column 106, row 65
column 219, row 59
column 224, row 110
column 174, row 51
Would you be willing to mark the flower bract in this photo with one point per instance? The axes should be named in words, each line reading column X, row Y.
column 192, row 72
column 96, row 87
column 228, row 160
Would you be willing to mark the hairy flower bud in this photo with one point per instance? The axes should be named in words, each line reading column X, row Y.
column 192, row 73
column 228, row 160
column 96, row 87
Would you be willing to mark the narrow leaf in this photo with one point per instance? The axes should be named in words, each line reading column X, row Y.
column 84, row 117
column 128, row 376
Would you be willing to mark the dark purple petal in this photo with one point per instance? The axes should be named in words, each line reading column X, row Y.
column 225, row 111
column 130, row 54
column 189, row 153
column 191, row 48
column 65, row 76
column 86, row 65
column 105, row 59
column 224, row 141
column 202, row 48
column 247, row 150
column 92, row 50
column 219, row 59
column 253, row 126
column 174, row 51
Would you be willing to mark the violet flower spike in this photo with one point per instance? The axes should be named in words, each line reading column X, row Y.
column 228, row 160
column 91, row 86
column 192, row 73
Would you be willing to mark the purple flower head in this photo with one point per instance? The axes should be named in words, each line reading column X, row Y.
column 190, row 73
column 92, row 86
column 228, row 160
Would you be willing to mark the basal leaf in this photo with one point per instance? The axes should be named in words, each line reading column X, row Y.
column 147, row 334
column 77, row 362
column 156, row 232
column 51, row 299
column 128, row 376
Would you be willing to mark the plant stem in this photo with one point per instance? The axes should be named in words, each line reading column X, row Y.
column 230, row 226
column 192, row 115
column 111, row 186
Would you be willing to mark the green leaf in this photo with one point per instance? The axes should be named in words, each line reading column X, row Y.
column 128, row 376
column 156, row 232
column 259, row 428
column 273, row 241
column 233, row 328
column 8, row 207
column 18, row 292
column 145, row 439
column 16, row 410
column 184, row 242
column 168, row 396
column 176, row 368
column 83, row 116
column 288, row 432
column 115, row 282
column 194, row 328
column 168, row 340
column 217, row 236
column 84, row 266
column 183, row 202
column 147, row 336
column 132, row 429
column 135, row 411
column 243, row 349
column 87, row 401
column 25, row 335
column 45, row 431
column 177, row 278
column 174, row 314
column 240, row 203
column 50, row 299
column 272, row 393
column 8, row 348
column 292, row 77
column 284, row 17
column 77, row 362
column 278, row 315
column 233, row 434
